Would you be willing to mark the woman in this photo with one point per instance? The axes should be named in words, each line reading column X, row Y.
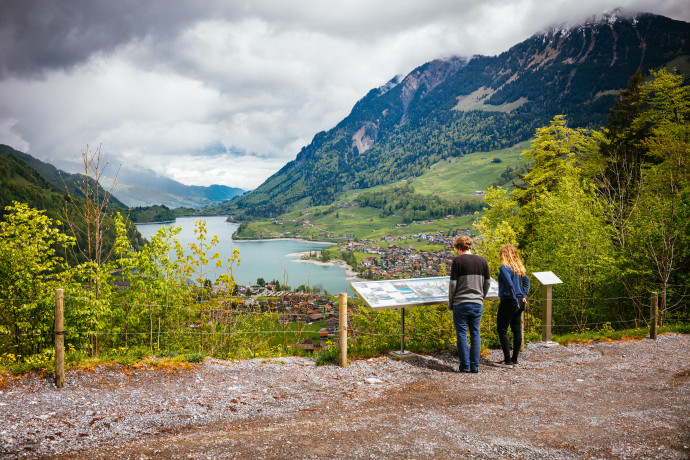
column 513, row 286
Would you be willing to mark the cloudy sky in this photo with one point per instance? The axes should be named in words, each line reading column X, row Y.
column 227, row 92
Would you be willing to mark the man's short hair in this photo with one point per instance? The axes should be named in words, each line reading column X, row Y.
column 463, row 243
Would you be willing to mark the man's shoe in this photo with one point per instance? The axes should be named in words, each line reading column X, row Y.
column 514, row 363
column 458, row 369
column 503, row 364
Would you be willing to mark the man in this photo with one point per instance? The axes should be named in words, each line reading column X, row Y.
column 469, row 285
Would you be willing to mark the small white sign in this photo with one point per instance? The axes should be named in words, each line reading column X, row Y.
column 547, row 278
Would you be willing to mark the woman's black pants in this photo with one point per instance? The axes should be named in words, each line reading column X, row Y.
column 509, row 315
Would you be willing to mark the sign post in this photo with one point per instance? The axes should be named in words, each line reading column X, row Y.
column 342, row 326
column 547, row 279
column 398, row 294
column 402, row 332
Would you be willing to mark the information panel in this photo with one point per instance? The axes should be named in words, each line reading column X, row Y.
column 407, row 293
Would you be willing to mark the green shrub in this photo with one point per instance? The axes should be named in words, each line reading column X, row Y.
column 195, row 357
column 329, row 355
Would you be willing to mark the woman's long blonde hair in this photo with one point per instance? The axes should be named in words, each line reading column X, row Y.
column 508, row 255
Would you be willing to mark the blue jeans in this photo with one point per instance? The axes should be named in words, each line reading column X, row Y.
column 468, row 315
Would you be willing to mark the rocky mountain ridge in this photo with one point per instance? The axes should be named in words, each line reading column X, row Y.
column 455, row 106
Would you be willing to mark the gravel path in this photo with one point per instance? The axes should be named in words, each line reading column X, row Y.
column 626, row 399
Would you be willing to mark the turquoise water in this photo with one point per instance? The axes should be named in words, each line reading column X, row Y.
column 262, row 259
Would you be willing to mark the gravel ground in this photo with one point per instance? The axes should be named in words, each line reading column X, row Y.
column 626, row 399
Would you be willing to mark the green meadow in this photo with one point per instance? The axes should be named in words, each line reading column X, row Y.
column 451, row 179
column 460, row 177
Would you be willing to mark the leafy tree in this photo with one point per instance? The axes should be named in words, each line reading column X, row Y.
column 30, row 270
column 556, row 217
column 572, row 239
column 662, row 218
column 156, row 277
column 555, row 150
column 91, row 223
column 498, row 226
column 325, row 256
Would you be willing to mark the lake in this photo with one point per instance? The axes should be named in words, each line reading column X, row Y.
column 268, row 259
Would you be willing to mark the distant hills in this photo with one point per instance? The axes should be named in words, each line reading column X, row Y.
column 134, row 188
column 42, row 186
column 145, row 187
column 452, row 107
column 29, row 180
column 144, row 196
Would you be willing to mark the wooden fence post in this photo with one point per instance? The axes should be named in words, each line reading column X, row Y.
column 343, row 329
column 59, row 339
column 655, row 315
column 546, row 314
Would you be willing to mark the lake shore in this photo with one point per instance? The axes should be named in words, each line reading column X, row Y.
column 263, row 258
column 162, row 222
column 351, row 274
column 242, row 240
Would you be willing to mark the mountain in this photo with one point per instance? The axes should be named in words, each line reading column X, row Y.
column 44, row 176
column 452, row 107
column 173, row 194
column 40, row 185
column 145, row 187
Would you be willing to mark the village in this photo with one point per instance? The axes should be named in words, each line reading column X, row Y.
column 397, row 261
column 392, row 258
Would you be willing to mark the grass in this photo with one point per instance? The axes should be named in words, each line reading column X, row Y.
column 361, row 223
column 459, row 178
column 134, row 357
column 296, row 332
column 609, row 335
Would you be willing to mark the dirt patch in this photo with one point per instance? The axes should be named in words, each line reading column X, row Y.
column 606, row 400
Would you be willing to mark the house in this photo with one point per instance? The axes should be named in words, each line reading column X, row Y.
column 332, row 324
column 316, row 317
column 307, row 344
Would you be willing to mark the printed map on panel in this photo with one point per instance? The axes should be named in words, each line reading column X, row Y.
column 410, row 292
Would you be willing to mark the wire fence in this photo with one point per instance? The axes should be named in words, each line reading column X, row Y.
column 204, row 319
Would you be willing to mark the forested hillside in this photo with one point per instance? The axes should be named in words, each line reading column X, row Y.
column 61, row 195
column 60, row 181
column 448, row 108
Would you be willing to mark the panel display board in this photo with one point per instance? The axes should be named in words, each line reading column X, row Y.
column 407, row 293
column 547, row 278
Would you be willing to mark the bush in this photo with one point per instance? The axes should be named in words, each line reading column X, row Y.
column 195, row 357
column 329, row 355
column 125, row 356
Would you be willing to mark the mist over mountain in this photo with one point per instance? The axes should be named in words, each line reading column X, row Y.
column 145, row 187
column 37, row 178
column 455, row 106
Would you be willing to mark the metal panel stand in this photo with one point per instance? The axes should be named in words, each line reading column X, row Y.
column 402, row 354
